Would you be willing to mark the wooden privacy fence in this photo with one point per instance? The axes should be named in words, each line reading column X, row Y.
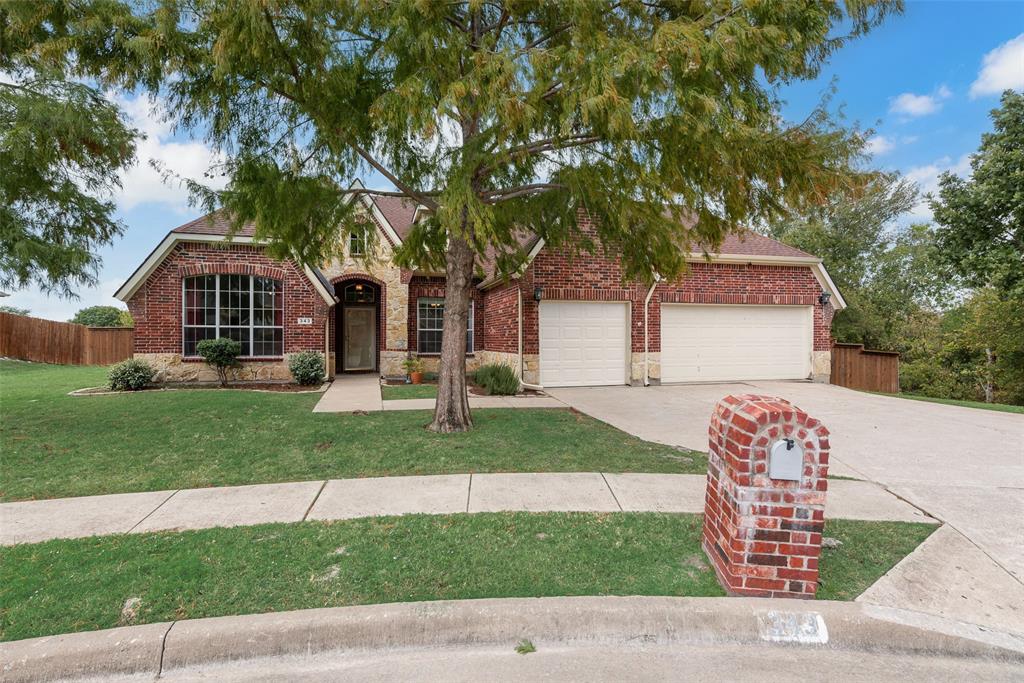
column 46, row 341
column 855, row 367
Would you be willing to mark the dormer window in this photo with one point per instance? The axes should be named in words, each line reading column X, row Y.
column 357, row 243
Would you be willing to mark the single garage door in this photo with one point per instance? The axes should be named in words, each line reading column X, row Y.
column 703, row 343
column 583, row 343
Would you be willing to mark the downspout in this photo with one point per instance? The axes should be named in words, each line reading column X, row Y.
column 522, row 365
column 647, row 350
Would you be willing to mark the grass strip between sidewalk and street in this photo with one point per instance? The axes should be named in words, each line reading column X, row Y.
column 57, row 446
column 85, row 584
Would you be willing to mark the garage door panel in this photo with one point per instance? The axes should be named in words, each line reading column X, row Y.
column 724, row 343
column 582, row 343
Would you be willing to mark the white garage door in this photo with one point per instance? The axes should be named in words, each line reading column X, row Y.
column 701, row 343
column 583, row 343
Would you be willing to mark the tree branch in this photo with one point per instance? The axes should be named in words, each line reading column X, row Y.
column 422, row 198
column 497, row 196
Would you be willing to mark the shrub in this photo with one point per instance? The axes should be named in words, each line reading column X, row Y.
column 101, row 316
column 412, row 364
column 220, row 354
column 130, row 375
column 307, row 367
column 497, row 379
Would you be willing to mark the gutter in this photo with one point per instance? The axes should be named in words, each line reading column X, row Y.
column 647, row 345
column 522, row 365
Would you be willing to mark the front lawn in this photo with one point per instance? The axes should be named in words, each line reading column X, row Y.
column 998, row 407
column 55, row 445
column 83, row 584
column 398, row 392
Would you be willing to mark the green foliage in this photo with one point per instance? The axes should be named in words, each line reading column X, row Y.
column 101, row 316
column 885, row 273
column 981, row 219
column 221, row 354
column 307, row 367
column 130, row 375
column 525, row 647
column 498, row 379
column 412, row 364
column 14, row 310
column 62, row 147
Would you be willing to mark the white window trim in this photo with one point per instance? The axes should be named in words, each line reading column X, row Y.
column 217, row 326
column 365, row 239
column 470, row 326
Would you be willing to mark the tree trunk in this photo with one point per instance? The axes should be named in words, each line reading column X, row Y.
column 451, row 413
column 989, row 391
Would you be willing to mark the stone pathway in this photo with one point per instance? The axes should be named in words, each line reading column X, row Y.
column 35, row 521
column 349, row 393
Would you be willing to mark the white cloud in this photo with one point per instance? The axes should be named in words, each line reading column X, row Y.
column 878, row 145
column 927, row 179
column 142, row 184
column 55, row 308
column 1001, row 69
column 910, row 104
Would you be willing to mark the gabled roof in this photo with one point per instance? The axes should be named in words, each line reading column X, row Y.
column 213, row 227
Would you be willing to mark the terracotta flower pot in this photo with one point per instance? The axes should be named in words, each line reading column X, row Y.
column 416, row 377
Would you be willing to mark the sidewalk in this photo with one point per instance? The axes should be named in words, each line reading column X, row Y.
column 349, row 393
column 35, row 521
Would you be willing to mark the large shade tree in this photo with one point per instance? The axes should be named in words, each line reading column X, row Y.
column 63, row 146
column 496, row 117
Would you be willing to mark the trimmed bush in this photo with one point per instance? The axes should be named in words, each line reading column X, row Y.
column 307, row 367
column 497, row 379
column 130, row 375
column 220, row 354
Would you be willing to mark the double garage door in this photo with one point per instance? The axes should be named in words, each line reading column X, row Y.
column 587, row 343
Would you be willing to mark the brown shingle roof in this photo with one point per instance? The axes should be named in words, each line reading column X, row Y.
column 399, row 212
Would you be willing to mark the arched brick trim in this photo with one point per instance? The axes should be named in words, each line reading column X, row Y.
column 231, row 268
column 382, row 324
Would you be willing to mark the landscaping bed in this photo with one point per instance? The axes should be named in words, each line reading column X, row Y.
column 56, row 446
column 282, row 387
column 86, row 584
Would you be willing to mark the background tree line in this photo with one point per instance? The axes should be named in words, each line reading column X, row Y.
column 948, row 295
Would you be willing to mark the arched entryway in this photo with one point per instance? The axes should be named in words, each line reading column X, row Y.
column 357, row 325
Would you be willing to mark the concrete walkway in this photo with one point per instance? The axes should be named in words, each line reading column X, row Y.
column 349, row 393
column 34, row 521
column 480, row 402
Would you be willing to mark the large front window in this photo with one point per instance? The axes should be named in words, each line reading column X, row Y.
column 246, row 308
column 430, row 323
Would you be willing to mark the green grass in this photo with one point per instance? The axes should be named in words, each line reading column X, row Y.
column 78, row 585
column 999, row 407
column 55, row 445
column 398, row 392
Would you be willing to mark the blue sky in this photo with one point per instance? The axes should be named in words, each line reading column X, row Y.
column 925, row 82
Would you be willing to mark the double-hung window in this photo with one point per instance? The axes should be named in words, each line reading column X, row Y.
column 246, row 308
column 430, row 323
column 357, row 242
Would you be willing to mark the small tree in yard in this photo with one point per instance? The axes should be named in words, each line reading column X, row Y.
column 497, row 117
column 100, row 316
column 220, row 354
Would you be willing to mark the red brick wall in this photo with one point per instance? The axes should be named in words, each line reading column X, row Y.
column 156, row 306
column 433, row 288
column 501, row 319
column 599, row 278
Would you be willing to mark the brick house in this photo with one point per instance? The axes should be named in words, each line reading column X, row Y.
column 757, row 309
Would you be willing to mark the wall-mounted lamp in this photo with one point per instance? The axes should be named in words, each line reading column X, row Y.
column 824, row 297
column 538, row 293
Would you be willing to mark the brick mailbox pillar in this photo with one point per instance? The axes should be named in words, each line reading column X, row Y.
column 764, row 508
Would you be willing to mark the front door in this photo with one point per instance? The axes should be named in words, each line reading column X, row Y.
column 360, row 338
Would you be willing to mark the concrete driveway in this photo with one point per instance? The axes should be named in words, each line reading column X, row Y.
column 963, row 466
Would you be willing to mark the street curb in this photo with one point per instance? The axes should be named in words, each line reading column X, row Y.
column 158, row 648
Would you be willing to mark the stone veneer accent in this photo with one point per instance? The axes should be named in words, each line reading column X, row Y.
column 171, row 367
